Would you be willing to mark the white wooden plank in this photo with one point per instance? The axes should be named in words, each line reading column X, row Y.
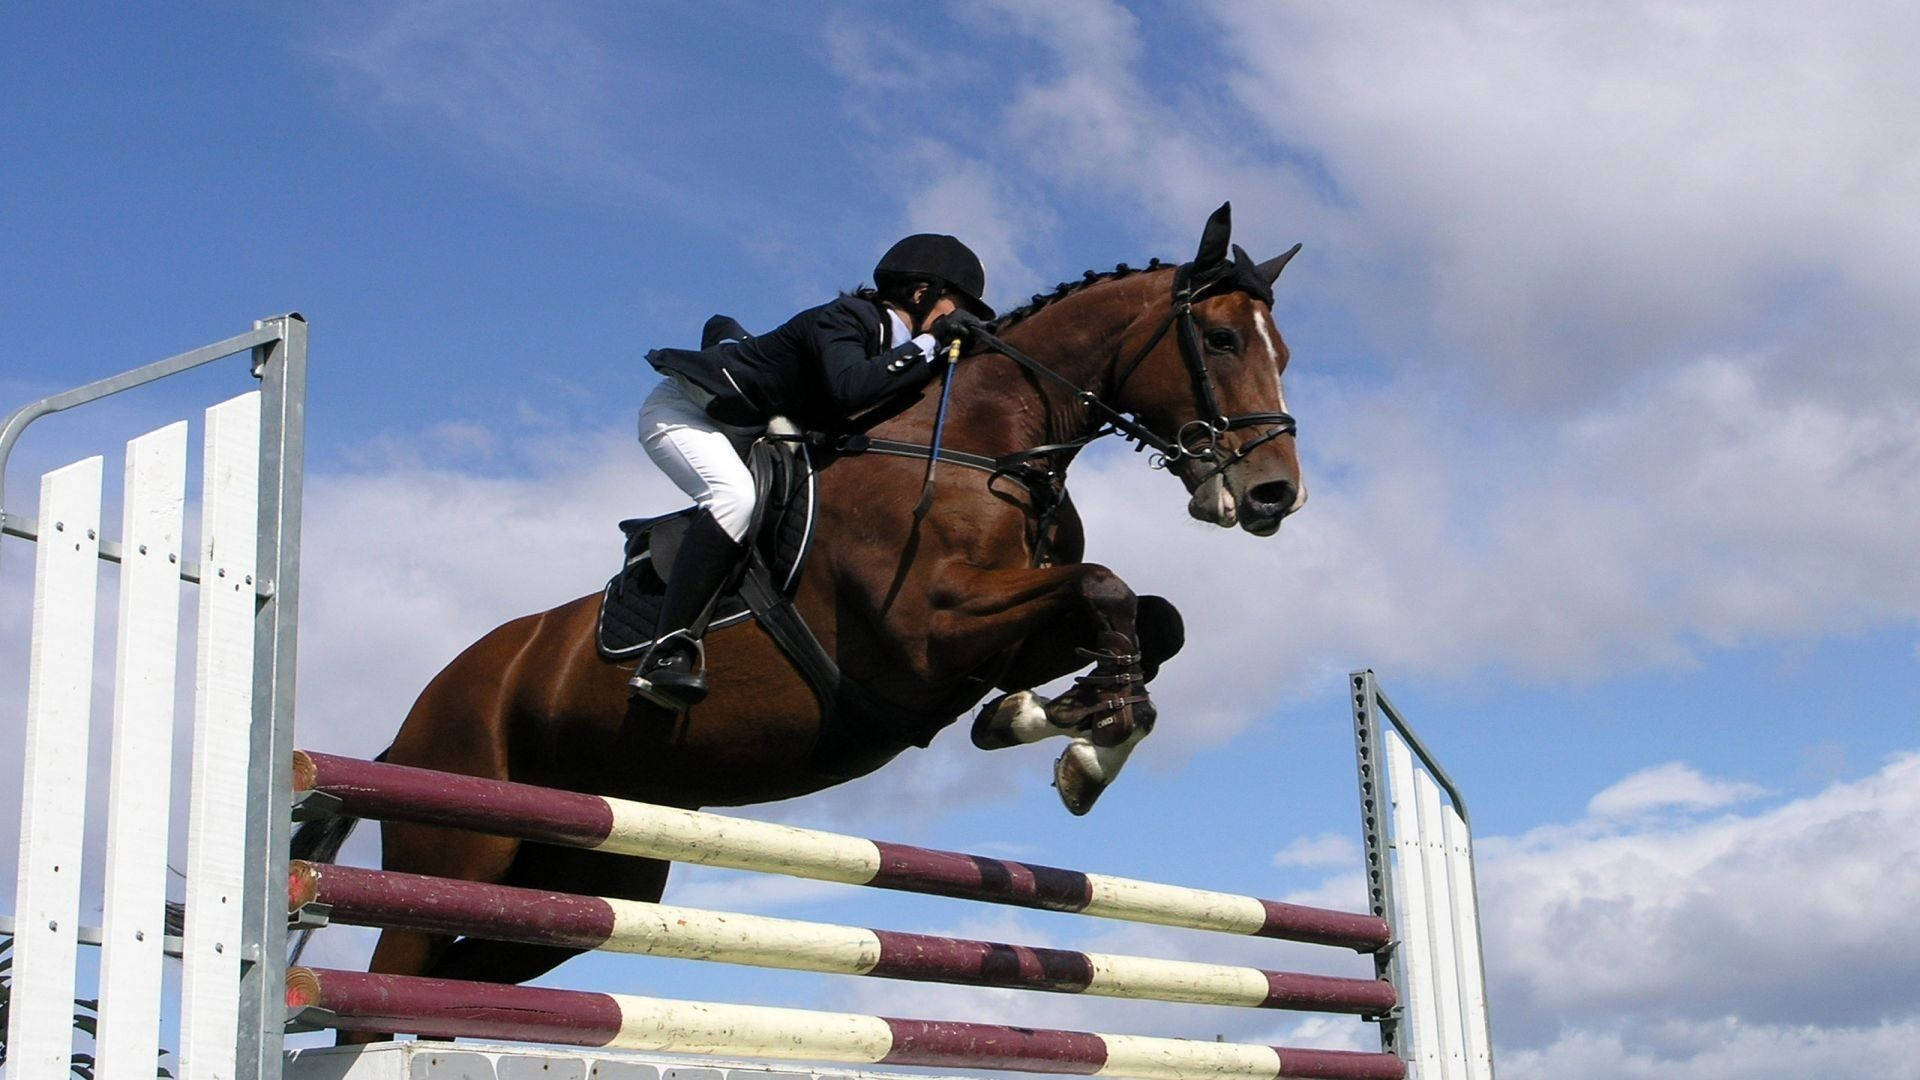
column 140, row 780
column 1466, row 943
column 223, row 712
column 1446, row 984
column 54, row 786
column 1415, row 952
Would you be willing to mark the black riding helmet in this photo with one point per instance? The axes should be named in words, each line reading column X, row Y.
column 944, row 259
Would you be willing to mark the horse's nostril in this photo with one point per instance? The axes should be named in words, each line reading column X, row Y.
column 1274, row 496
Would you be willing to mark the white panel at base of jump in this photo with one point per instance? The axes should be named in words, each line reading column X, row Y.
column 53, row 804
column 1436, row 927
column 223, row 714
column 486, row 1061
column 141, row 778
column 1440, row 923
column 1413, row 953
column 1466, row 937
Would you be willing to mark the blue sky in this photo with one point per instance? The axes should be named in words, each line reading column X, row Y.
column 1603, row 357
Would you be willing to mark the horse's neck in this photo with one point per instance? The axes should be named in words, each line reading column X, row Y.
column 1013, row 409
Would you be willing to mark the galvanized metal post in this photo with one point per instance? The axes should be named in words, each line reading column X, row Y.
column 281, row 365
column 1371, row 761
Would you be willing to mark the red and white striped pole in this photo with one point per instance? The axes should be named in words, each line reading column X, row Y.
column 443, row 1008
column 399, row 793
column 535, row 917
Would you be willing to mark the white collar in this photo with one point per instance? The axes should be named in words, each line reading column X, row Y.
column 901, row 332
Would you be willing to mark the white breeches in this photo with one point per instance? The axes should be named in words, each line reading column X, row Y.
column 699, row 455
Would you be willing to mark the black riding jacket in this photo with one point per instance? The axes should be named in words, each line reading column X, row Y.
column 818, row 368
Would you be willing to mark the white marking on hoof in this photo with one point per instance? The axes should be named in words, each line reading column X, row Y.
column 1084, row 770
column 1019, row 717
column 1023, row 716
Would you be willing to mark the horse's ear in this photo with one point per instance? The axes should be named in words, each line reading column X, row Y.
column 1213, row 240
column 1270, row 269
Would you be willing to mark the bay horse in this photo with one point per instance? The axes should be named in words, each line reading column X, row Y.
column 931, row 611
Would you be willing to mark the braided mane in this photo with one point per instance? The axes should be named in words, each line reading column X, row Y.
column 1068, row 288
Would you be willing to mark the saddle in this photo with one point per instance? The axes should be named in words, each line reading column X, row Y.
column 778, row 536
column 859, row 730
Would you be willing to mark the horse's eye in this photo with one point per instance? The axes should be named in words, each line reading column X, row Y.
column 1221, row 339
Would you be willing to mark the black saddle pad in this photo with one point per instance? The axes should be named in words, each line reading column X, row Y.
column 781, row 532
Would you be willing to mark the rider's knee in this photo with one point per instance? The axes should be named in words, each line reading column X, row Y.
column 731, row 506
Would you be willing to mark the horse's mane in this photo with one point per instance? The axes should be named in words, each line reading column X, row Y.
column 1068, row 288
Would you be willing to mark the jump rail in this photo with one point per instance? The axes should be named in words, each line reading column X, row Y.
column 1430, row 1027
column 530, row 916
column 448, row 1009
column 399, row 793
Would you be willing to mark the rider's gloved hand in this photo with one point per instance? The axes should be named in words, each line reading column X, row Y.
column 956, row 325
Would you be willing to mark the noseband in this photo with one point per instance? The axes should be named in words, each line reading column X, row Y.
column 1197, row 439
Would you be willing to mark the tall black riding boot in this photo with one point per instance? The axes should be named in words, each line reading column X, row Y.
column 673, row 673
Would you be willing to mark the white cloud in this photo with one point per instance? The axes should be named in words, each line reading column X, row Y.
column 1787, row 917
column 953, row 193
column 1674, row 785
column 1571, row 199
column 1326, row 849
column 531, row 84
column 1100, row 121
column 408, row 564
column 1724, row 1049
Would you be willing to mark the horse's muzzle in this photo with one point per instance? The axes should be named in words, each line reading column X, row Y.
column 1264, row 505
column 1259, row 509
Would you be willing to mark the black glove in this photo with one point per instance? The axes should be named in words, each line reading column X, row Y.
column 956, row 325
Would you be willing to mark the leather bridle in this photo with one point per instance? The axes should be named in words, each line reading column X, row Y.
column 1197, row 439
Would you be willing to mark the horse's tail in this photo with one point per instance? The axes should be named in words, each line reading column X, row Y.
column 320, row 841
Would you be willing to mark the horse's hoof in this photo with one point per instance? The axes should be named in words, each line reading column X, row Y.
column 1079, row 777
column 1012, row 719
column 1085, row 769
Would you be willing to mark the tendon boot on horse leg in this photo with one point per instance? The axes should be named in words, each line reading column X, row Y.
column 1124, row 717
column 673, row 675
column 1108, row 710
column 1023, row 716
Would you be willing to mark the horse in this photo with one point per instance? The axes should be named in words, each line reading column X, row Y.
column 980, row 588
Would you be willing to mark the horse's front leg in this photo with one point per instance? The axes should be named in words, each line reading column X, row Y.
column 1082, row 612
column 1023, row 716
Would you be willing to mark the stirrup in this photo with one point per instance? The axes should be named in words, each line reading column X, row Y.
column 669, row 688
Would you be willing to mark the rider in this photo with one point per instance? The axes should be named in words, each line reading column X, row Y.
column 818, row 369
